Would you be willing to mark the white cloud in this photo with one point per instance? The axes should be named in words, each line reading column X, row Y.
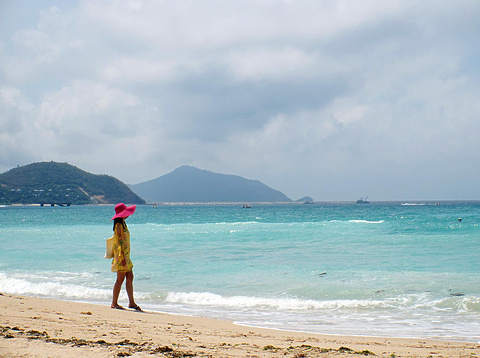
column 213, row 23
column 78, row 106
column 15, row 115
column 139, row 70
column 346, row 115
column 270, row 64
column 302, row 95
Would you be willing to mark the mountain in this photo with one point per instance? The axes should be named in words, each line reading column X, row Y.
column 192, row 185
column 51, row 182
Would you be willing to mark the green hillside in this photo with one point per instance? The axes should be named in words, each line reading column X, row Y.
column 51, row 182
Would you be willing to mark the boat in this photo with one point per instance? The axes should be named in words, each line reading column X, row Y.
column 363, row 201
column 247, row 206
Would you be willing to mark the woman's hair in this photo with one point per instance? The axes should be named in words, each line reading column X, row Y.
column 117, row 220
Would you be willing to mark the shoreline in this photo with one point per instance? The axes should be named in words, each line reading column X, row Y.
column 38, row 327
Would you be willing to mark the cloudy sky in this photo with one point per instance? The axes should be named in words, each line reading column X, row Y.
column 331, row 99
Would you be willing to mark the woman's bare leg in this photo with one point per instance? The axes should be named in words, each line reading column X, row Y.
column 117, row 287
column 129, row 287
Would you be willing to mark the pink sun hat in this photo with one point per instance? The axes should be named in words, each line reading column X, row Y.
column 123, row 211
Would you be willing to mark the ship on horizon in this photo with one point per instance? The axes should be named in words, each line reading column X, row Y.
column 363, row 201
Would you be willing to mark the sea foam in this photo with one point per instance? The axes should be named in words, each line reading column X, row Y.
column 211, row 299
column 16, row 286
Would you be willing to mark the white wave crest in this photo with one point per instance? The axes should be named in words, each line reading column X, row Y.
column 366, row 221
column 15, row 286
column 211, row 299
column 55, row 285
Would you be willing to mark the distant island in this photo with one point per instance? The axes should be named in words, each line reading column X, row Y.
column 190, row 184
column 52, row 183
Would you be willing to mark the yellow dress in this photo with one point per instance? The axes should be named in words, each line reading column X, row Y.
column 121, row 249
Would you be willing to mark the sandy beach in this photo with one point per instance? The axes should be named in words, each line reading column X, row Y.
column 35, row 327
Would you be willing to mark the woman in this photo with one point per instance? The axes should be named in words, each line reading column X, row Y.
column 121, row 263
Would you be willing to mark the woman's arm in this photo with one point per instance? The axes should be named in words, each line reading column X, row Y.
column 121, row 242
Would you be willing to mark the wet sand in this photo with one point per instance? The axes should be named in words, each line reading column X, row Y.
column 35, row 327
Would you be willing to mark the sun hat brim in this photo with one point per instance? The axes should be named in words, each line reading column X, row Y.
column 129, row 210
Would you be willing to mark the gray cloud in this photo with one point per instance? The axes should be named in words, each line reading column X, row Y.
column 332, row 100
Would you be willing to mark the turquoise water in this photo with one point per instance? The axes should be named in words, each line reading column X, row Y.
column 382, row 269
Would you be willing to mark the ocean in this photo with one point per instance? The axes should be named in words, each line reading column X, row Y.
column 386, row 269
